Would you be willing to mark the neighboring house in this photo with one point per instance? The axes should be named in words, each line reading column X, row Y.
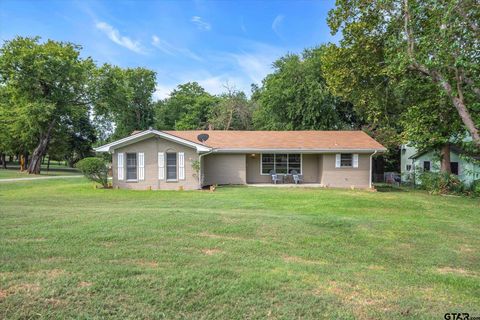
column 413, row 161
column 155, row 159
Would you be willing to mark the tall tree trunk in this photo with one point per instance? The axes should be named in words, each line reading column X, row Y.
column 40, row 150
column 48, row 164
column 4, row 161
column 445, row 159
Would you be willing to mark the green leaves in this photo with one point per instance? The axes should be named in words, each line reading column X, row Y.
column 295, row 97
column 124, row 97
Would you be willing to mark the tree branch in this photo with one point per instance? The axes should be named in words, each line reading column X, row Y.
column 470, row 22
column 438, row 78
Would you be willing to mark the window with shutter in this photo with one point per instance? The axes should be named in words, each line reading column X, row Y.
column 355, row 160
column 161, row 166
column 141, row 166
column 120, row 169
column 181, row 166
column 171, row 166
column 131, row 166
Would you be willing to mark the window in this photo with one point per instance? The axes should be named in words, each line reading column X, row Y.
column 346, row 160
column 454, row 167
column 426, row 165
column 268, row 163
column 281, row 163
column 131, row 166
column 171, row 166
column 409, row 167
column 294, row 163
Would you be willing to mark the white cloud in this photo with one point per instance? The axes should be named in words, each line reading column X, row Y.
column 276, row 24
column 114, row 35
column 242, row 25
column 162, row 91
column 257, row 62
column 201, row 25
column 170, row 49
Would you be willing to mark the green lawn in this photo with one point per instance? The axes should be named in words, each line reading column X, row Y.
column 13, row 171
column 69, row 251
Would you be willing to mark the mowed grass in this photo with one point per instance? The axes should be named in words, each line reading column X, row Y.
column 14, row 172
column 69, row 251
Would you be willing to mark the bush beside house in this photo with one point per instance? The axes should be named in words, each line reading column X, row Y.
column 94, row 169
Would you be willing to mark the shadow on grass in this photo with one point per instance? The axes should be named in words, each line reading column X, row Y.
column 385, row 187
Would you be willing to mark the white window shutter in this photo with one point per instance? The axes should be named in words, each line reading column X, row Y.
column 141, row 166
column 355, row 160
column 161, row 165
column 337, row 160
column 120, row 166
column 181, row 166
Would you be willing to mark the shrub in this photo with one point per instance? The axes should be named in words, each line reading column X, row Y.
column 475, row 187
column 441, row 182
column 95, row 169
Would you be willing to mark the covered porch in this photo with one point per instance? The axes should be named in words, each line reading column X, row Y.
column 316, row 169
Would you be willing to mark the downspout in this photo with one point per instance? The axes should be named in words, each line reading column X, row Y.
column 200, row 156
column 370, row 179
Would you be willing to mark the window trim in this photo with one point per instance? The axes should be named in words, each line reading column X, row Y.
column 126, row 166
column 274, row 162
column 176, row 167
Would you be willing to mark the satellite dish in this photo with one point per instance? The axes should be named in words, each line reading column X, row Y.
column 203, row 137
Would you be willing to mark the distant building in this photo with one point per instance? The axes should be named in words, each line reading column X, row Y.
column 413, row 161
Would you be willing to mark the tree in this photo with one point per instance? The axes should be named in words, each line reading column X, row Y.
column 46, row 83
column 187, row 108
column 428, row 122
column 73, row 140
column 438, row 40
column 233, row 111
column 295, row 97
column 123, row 98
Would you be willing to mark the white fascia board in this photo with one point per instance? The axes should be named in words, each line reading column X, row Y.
column 298, row 150
column 147, row 134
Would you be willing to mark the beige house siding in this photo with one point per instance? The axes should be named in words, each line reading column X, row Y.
column 345, row 177
column 224, row 169
column 150, row 147
column 310, row 169
column 253, row 170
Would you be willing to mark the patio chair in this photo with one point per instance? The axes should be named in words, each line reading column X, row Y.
column 297, row 178
column 275, row 177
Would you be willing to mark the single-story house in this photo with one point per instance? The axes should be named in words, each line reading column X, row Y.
column 154, row 159
column 414, row 161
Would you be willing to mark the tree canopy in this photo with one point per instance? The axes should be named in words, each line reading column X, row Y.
column 395, row 39
column 46, row 85
column 296, row 97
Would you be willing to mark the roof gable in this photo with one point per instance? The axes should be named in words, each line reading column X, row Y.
column 142, row 135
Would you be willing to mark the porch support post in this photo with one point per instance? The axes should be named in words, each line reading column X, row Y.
column 370, row 177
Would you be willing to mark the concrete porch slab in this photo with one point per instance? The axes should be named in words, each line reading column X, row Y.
column 286, row 185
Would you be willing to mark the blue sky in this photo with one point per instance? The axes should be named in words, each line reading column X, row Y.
column 211, row 42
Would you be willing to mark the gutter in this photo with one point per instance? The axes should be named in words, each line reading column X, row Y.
column 311, row 151
column 370, row 178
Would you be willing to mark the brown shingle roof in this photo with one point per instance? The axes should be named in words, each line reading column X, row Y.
column 308, row 140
